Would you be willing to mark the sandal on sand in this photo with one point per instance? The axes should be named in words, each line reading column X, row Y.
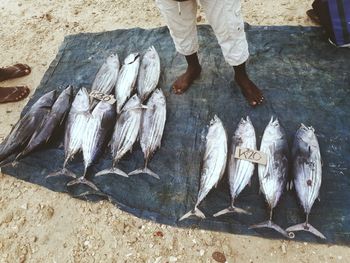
column 15, row 71
column 13, row 94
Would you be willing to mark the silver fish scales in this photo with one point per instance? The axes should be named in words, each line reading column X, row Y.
column 214, row 163
column 126, row 79
column 307, row 171
column 74, row 130
column 273, row 176
column 149, row 73
column 240, row 171
column 26, row 126
column 98, row 126
column 125, row 133
column 106, row 77
column 53, row 119
column 152, row 127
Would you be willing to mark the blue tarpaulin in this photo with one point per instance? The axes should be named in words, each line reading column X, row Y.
column 304, row 79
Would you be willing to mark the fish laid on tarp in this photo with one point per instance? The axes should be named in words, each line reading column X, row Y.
column 152, row 127
column 240, row 171
column 273, row 176
column 106, row 77
column 125, row 133
column 53, row 119
column 26, row 126
column 214, row 163
column 149, row 73
column 307, row 169
column 97, row 129
column 126, row 79
column 74, row 130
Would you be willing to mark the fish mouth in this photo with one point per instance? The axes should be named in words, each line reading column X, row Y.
column 214, row 120
column 274, row 122
column 306, row 128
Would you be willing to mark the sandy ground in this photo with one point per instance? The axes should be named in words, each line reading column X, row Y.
column 38, row 225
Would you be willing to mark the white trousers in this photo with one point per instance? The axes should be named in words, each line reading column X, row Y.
column 225, row 18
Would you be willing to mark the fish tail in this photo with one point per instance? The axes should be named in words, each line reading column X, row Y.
column 232, row 209
column 272, row 225
column 194, row 212
column 144, row 170
column 306, row 227
column 112, row 170
column 64, row 171
column 82, row 180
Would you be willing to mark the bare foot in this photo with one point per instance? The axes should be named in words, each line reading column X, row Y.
column 249, row 90
column 12, row 94
column 185, row 80
column 15, row 71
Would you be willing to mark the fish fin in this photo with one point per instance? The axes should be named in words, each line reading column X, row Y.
column 64, row 171
column 272, row 225
column 232, row 209
column 144, row 171
column 113, row 170
column 82, row 180
column 306, row 227
column 194, row 212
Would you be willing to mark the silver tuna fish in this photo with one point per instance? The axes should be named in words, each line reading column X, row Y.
column 26, row 126
column 126, row 79
column 106, row 77
column 99, row 125
column 214, row 163
column 54, row 119
column 74, row 131
column 152, row 127
column 307, row 169
column 149, row 73
column 240, row 171
column 273, row 176
column 125, row 133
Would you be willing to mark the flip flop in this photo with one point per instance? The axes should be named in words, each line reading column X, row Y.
column 13, row 94
column 15, row 71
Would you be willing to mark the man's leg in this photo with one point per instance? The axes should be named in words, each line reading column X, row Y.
column 227, row 22
column 183, row 30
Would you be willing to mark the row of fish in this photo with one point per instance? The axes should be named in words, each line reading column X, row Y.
column 90, row 122
column 307, row 170
column 144, row 73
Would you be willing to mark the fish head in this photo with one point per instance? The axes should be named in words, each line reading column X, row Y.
column 69, row 91
column 113, row 60
column 157, row 97
column 151, row 53
column 245, row 128
column 102, row 106
column 81, row 100
column 306, row 134
column 274, row 129
column 133, row 102
column 46, row 101
column 131, row 58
